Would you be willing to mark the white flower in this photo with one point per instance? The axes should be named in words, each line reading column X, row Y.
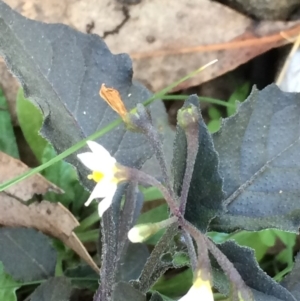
column 103, row 167
column 140, row 233
column 200, row 291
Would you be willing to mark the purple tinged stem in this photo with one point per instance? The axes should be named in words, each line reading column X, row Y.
column 143, row 178
column 191, row 249
column 192, row 137
column 229, row 270
column 203, row 262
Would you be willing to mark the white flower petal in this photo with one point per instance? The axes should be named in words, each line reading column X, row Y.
column 90, row 199
column 99, row 151
column 105, row 204
column 99, row 160
column 202, row 292
column 90, row 161
column 101, row 190
column 93, row 162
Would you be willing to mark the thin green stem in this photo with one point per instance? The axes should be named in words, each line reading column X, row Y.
column 17, row 285
column 88, row 222
column 201, row 98
column 163, row 92
column 88, row 236
column 61, row 156
column 98, row 134
column 23, row 284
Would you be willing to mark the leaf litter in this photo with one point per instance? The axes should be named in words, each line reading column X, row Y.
column 37, row 184
column 187, row 36
column 50, row 218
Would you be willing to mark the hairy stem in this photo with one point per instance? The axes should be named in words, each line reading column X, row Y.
column 143, row 178
column 144, row 123
column 229, row 270
column 203, row 262
column 191, row 249
column 154, row 260
column 192, row 137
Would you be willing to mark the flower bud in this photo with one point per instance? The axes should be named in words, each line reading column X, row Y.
column 200, row 290
column 188, row 116
column 142, row 232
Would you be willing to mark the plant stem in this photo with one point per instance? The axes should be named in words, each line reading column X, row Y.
column 191, row 249
column 229, row 270
column 153, row 261
column 192, row 137
column 142, row 121
column 143, row 178
column 203, row 262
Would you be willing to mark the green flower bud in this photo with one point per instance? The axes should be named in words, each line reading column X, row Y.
column 188, row 116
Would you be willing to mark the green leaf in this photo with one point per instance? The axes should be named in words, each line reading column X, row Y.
column 83, row 276
column 261, row 284
column 214, row 125
column 268, row 237
column 154, row 215
column 214, row 113
column 240, row 94
column 259, row 241
column 289, row 239
column 133, row 261
column 151, row 194
column 65, row 84
column 31, row 119
column 175, row 286
column 180, row 259
column 292, row 281
column 62, row 173
column 56, row 289
column 154, row 266
column 8, row 286
column 205, row 194
column 123, row 291
column 156, row 296
column 8, row 142
column 259, row 152
column 27, row 254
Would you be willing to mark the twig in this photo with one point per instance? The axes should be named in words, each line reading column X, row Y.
column 288, row 61
column 257, row 41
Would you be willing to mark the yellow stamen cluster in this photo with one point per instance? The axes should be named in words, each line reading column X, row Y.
column 96, row 176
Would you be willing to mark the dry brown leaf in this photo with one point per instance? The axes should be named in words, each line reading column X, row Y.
column 50, row 218
column 167, row 46
column 190, row 34
column 36, row 184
